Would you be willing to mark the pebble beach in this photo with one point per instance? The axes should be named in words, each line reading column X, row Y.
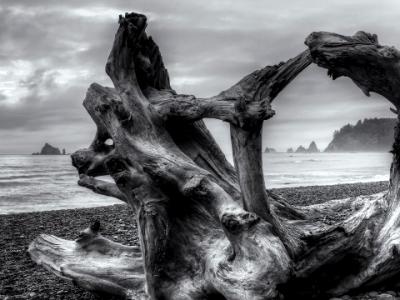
column 20, row 278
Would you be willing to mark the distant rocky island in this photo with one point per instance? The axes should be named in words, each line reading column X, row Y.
column 269, row 150
column 369, row 135
column 48, row 149
column 312, row 148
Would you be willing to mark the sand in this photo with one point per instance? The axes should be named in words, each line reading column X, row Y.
column 20, row 278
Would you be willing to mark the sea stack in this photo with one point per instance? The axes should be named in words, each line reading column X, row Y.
column 313, row 148
column 48, row 149
column 269, row 150
column 301, row 149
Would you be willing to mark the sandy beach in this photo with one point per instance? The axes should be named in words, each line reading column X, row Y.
column 20, row 278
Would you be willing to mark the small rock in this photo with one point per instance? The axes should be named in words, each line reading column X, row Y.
column 32, row 294
column 373, row 294
column 385, row 296
column 391, row 293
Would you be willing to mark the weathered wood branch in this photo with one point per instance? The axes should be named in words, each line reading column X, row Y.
column 371, row 66
column 245, row 103
column 101, row 187
column 93, row 262
column 232, row 110
column 247, row 141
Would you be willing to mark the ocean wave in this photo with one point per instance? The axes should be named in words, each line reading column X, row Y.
column 14, row 183
column 38, row 175
column 12, row 167
column 298, row 161
column 13, row 177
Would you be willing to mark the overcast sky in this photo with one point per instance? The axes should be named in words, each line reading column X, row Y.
column 50, row 51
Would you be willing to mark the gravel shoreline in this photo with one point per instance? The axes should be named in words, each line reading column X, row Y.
column 20, row 278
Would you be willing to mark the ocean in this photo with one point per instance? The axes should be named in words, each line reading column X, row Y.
column 37, row 183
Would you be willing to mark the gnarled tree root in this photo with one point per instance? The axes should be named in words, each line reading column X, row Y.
column 208, row 230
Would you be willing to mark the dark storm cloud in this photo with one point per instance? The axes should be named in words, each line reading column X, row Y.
column 50, row 51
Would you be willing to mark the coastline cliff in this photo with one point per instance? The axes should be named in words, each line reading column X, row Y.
column 368, row 135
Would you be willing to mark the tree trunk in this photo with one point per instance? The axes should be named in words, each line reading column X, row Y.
column 208, row 230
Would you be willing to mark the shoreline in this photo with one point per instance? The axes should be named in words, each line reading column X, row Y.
column 290, row 192
column 21, row 278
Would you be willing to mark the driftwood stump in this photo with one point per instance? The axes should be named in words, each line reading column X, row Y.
column 208, row 230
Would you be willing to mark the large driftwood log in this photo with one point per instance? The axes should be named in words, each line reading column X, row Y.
column 208, row 230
